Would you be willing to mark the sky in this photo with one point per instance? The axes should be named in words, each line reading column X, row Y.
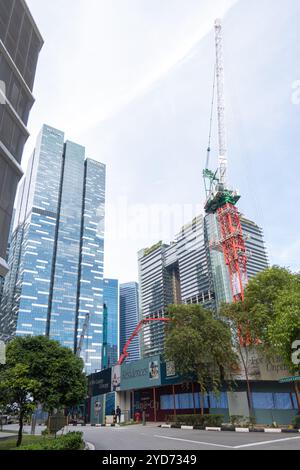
column 131, row 80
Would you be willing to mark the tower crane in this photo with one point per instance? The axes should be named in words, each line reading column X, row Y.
column 221, row 200
column 85, row 329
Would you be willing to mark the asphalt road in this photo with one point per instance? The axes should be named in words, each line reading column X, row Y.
column 154, row 438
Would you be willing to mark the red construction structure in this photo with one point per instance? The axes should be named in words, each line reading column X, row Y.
column 140, row 326
column 234, row 249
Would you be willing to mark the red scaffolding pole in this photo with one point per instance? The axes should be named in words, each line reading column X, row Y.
column 234, row 249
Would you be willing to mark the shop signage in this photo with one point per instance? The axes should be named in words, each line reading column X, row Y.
column 141, row 374
column 100, row 383
column 262, row 368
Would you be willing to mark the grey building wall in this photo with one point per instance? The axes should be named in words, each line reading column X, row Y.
column 20, row 45
column 173, row 274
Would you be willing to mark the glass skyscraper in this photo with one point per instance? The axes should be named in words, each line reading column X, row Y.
column 129, row 319
column 173, row 274
column 57, row 249
column 190, row 271
column 20, row 45
column 111, row 323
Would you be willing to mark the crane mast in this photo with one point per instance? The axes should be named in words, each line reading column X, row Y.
column 223, row 162
column 221, row 200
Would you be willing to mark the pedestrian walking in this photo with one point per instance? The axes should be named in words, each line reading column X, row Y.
column 119, row 413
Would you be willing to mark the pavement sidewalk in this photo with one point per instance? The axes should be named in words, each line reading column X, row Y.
column 4, row 435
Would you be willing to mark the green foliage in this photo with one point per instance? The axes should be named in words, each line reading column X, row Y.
column 201, row 421
column 16, row 387
column 285, row 329
column 153, row 248
column 254, row 316
column 70, row 441
column 58, row 371
column 40, row 371
column 296, row 422
column 270, row 315
column 199, row 345
column 265, row 288
column 242, row 421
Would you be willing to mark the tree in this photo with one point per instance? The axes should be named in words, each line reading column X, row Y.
column 45, row 373
column 252, row 319
column 284, row 332
column 245, row 331
column 265, row 287
column 200, row 346
column 20, row 390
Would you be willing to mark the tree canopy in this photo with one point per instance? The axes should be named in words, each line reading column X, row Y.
column 41, row 371
column 284, row 332
column 199, row 345
column 269, row 317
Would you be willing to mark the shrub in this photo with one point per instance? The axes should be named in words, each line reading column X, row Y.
column 240, row 421
column 46, row 433
column 70, row 441
column 296, row 422
column 201, row 421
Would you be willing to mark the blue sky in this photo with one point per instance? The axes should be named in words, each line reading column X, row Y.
column 132, row 81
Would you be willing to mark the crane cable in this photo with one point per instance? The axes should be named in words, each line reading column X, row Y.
column 211, row 120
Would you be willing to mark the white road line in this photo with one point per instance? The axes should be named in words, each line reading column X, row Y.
column 244, row 446
column 90, row 446
column 195, row 442
column 266, row 443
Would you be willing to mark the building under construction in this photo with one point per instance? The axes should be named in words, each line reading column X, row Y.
column 190, row 270
column 213, row 257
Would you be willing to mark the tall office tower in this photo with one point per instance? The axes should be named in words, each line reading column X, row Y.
column 129, row 319
column 191, row 271
column 256, row 253
column 20, row 45
column 173, row 274
column 111, row 323
column 55, row 283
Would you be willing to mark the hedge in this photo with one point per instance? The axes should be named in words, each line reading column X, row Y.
column 297, row 422
column 70, row 441
column 197, row 420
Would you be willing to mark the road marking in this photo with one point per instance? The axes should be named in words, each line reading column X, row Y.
column 244, row 446
column 194, row 442
column 90, row 446
column 256, row 444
